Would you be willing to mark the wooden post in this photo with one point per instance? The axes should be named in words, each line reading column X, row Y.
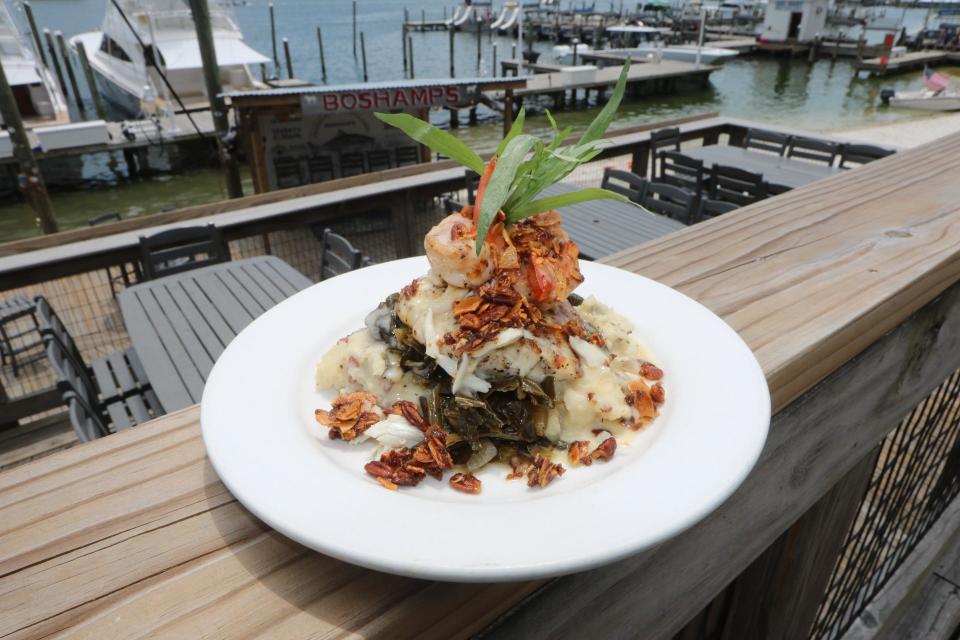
column 423, row 17
column 91, row 81
column 286, row 56
column 453, row 73
column 273, row 42
column 493, row 70
column 363, row 55
column 507, row 111
column 403, row 46
column 354, row 29
column 53, row 56
column 778, row 595
column 65, row 54
column 323, row 62
column 454, row 117
column 479, row 48
column 31, row 182
column 34, row 32
column 211, row 76
column 410, row 44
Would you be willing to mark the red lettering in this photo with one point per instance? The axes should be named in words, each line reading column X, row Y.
column 435, row 94
column 453, row 95
column 400, row 96
column 420, row 97
column 365, row 100
column 348, row 101
column 330, row 102
column 381, row 99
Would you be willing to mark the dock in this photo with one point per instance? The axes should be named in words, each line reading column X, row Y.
column 644, row 78
column 908, row 62
column 426, row 25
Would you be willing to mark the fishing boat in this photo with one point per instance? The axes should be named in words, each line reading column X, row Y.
column 943, row 100
column 642, row 41
column 939, row 93
column 144, row 38
column 472, row 15
column 37, row 94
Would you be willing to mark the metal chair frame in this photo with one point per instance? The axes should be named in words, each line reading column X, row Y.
column 178, row 250
column 337, row 255
column 634, row 187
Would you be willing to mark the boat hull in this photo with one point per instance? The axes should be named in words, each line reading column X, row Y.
column 926, row 102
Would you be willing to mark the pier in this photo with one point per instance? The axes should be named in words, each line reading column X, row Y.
column 908, row 62
column 426, row 25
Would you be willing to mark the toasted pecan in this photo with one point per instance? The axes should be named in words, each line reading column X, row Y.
column 350, row 415
column 465, row 482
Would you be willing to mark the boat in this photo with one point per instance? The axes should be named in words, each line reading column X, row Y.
column 38, row 96
column 642, row 42
column 943, row 100
column 127, row 73
column 472, row 15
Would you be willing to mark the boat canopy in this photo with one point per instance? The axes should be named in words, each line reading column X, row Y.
column 185, row 53
column 636, row 29
column 20, row 72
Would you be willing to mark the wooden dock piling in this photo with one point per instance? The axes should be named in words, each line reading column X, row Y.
column 74, row 87
column 354, row 29
column 453, row 73
column 34, row 32
column 52, row 50
column 363, row 56
column 323, row 60
column 287, row 58
column 91, row 81
column 273, row 41
column 410, row 45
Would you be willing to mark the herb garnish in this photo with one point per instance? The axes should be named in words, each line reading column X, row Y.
column 523, row 166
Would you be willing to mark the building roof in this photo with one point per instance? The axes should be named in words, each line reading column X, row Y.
column 374, row 86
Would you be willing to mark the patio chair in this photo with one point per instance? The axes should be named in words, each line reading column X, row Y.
column 129, row 271
column 861, row 154
column 337, row 255
column 626, row 183
column 682, row 171
column 407, row 155
column 662, row 140
column 811, row 149
column 712, row 208
column 352, row 164
column 473, row 181
column 178, row 250
column 669, row 200
column 320, row 168
column 19, row 344
column 451, row 206
column 117, row 375
column 378, row 160
column 96, row 417
column 766, row 141
column 731, row 184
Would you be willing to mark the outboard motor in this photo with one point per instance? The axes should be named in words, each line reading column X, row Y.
column 885, row 95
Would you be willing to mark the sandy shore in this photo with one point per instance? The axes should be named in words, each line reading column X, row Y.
column 904, row 135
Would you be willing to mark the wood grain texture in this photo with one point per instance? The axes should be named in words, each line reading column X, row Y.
column 135, row 533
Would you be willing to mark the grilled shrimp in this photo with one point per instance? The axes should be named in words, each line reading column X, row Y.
column 451, row 249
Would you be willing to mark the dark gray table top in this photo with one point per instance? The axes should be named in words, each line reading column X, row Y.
column 603, row 227
column 180, row 324
column 778, row 170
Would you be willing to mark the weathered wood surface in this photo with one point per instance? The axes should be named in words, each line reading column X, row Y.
column 922, row 598
column 135, row 530
column 180, row 324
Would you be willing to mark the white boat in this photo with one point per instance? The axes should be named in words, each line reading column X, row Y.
column 643, row 42
column 127, row 73
column 945, row 100
column 38, row 96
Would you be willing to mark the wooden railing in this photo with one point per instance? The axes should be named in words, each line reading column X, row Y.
column 847, row 292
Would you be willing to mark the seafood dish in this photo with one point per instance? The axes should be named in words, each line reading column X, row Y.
column 492, row 357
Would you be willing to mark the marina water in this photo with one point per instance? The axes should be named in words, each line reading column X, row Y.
column 822, row 96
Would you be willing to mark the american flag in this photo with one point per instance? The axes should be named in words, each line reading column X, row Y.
column 935, row 81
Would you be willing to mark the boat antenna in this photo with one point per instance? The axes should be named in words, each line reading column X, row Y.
column 160, row 72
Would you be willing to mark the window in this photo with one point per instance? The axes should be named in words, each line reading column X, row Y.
column 109, row 46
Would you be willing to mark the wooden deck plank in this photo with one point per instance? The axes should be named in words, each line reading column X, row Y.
column 810, row 279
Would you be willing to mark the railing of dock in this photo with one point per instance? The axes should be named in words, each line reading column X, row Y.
column 863, row 460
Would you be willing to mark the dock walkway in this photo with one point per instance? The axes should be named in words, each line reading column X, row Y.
column 742, row 45
column 908, row 62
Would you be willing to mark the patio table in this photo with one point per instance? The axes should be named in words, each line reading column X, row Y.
column 852, row 307
column 604, row 227
column 777, row 170
column 180, row 324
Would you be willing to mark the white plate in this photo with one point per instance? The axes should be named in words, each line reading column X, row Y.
column 260, row 434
